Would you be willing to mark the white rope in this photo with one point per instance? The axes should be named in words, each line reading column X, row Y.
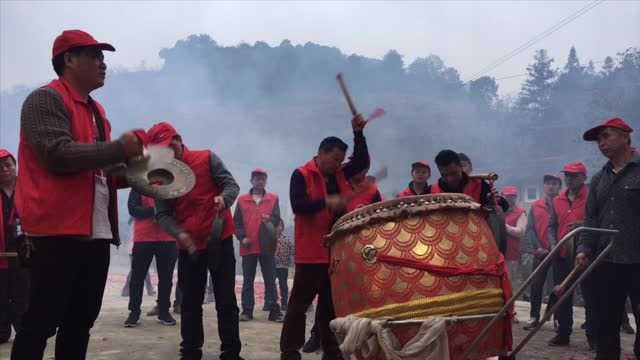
column 370, row 336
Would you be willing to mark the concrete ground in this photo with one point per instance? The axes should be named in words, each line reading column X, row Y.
column 260, row 338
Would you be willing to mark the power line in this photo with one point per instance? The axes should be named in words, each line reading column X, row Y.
column 525, row 74
column 567, row 20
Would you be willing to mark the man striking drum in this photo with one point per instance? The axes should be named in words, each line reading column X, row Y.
column 319, row 192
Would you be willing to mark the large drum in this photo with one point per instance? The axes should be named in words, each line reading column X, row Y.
column 422, row 256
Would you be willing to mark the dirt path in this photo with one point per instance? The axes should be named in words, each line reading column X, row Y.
column 260, row 338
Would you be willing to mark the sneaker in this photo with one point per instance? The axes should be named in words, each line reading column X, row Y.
column 246, row 317
column 531, row 324
column 166, row 319
column 312, row 345
column 133, row 320
column 559, row 340
column 275, row 316
column 627, row 329
column 154, row 311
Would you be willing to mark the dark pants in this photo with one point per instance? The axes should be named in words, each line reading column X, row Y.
column 591, row 315
column 192, row 279
column 67, row 283
column 561, row 268
column 127, row 284
column 309, row 280
column 613, row 283
column 282, row 274
column 268, row 268
column 14, row 297
column 166, row 254
column 537, row 288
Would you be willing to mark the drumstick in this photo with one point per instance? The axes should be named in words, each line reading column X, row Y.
column 8, row 254
column 347, row 96
column 490, row 177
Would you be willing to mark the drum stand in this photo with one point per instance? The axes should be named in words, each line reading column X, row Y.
column 495, row 318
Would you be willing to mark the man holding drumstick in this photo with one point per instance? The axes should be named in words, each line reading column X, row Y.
column 319, row 192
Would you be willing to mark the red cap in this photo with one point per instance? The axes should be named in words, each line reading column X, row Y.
column 616, row 123
column 161, row 134
column 76, row 38
column 5, row 153
column 575, row 168
column 510, row 191
column 552, row 177
column 421, row 163
column 259, row 171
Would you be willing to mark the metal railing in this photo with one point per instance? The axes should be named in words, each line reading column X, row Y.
column 556, row 249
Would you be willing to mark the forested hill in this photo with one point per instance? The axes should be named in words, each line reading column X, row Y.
column 263, row 106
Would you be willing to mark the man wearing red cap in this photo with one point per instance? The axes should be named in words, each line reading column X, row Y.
column 614, row 203
column 537, row 241
column 66, row 202
column 420, row 174
column 14, row 279
column 319, row 194
column 191, row 219
column 258, row 210
column 516, row 224
column 568, row 213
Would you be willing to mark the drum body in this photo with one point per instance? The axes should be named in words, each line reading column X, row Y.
column 446, row 233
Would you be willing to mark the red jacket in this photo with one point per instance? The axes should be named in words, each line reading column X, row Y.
column 195, row 211
column 541, row 217
column 252, row 215
column 513, row 243
column 311, row 229
column 568, row 213
column 62, row 204
column 364, row 197
column 147, row 230
column 473, row 188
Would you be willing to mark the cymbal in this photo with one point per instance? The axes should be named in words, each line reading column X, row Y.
column 159, row 175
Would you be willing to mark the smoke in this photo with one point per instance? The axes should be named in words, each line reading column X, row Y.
column 269, row 107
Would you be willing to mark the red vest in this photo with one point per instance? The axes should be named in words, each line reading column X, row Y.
column 409, row 192
column 147, row 230
column 473, row 188
column 60, row 204
column 541, row 215
column 363, row 197
column 513, row 243
column 311, row 229
column 195, row 211
column 252, row 215
column 569, row 213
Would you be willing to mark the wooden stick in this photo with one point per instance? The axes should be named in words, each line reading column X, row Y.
column 347, row 96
